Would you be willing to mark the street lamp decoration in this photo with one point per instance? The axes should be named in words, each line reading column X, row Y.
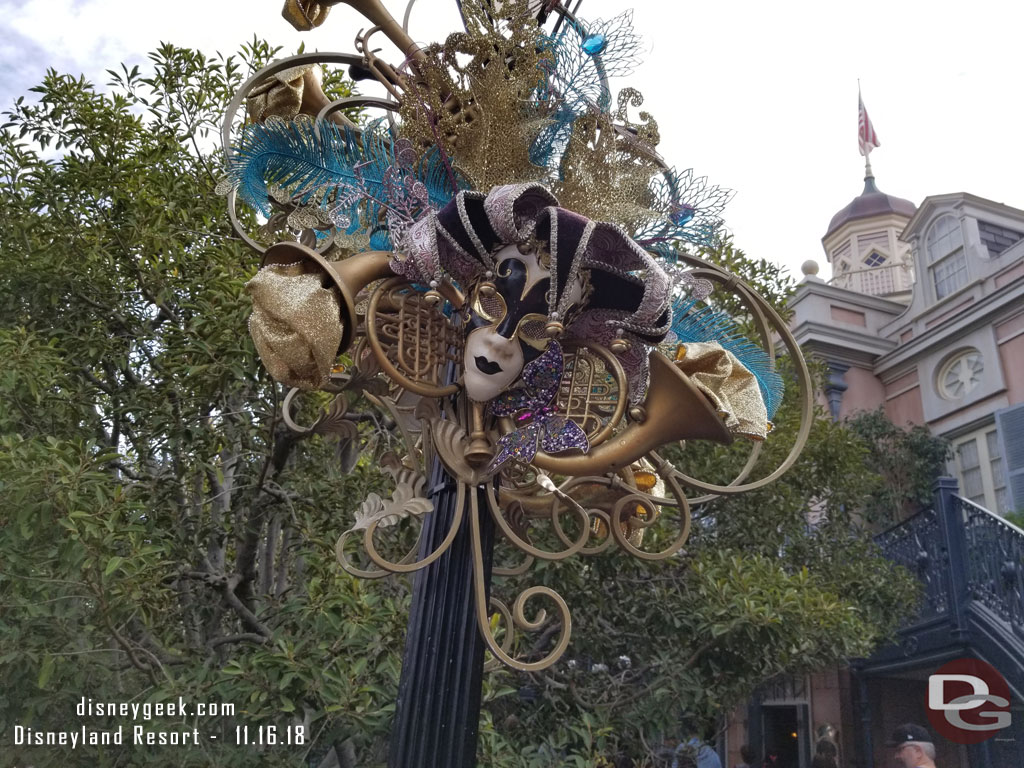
column 499, row 265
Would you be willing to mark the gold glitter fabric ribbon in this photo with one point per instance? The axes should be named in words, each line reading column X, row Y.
column 295, row 324
column 279, row 96
column 728, row 384
column 304, row 15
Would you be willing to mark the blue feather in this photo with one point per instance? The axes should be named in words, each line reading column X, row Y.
column 308, row 158
column 706, row 324
column 437, row 176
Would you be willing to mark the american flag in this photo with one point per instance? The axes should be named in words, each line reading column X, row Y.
column 865, row 130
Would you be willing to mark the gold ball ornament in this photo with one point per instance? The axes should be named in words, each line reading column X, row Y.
column 432, row 297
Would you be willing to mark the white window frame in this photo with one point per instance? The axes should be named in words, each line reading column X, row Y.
column 949, row 256
column 980, row 436
column 1010, row 422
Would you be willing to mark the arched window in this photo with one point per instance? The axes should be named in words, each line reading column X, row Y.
column 948, row 263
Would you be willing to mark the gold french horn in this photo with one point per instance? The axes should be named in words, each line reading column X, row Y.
column 674, row 410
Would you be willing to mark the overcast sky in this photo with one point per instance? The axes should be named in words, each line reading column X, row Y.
column 759, row 97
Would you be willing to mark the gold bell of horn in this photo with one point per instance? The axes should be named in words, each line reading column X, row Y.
column 304, row 15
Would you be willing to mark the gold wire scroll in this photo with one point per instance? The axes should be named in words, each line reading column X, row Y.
column 409, row 563
column 504, row 615
column 524, row 545
column 767, row 321
column 339, row 553
column 401, row 566
column 518, row 609
column 412, row 339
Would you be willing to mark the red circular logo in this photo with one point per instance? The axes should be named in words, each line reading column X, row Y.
column 968, row 701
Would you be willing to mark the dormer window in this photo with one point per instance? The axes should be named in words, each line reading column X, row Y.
column 946, row 258
column 874, row 260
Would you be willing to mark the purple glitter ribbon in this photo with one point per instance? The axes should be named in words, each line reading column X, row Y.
column 531, row 401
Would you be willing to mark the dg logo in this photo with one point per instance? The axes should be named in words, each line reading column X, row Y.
column 968, row 701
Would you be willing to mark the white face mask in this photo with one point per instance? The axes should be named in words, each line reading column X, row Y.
column 507, row 330
column 493, row 363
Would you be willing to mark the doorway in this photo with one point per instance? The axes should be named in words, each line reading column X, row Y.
column 784, row 735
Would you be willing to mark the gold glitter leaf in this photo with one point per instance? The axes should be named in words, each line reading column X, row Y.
column 474, row 96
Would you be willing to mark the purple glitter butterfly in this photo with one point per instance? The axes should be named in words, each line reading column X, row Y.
column 532, row 401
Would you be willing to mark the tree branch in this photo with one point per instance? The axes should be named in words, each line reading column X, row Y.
column 249, row 619
column 242, row 637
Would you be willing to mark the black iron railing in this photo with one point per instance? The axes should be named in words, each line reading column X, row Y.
column 917, row 544
column 970, row 563
column 995, row 563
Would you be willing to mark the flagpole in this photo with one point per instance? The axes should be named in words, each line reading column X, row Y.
column 868, row 173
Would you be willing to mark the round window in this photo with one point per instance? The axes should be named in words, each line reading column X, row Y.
column 961, row 374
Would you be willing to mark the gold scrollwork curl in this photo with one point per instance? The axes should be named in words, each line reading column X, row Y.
column 403, row 567
column 541, row 554
column 519, row 618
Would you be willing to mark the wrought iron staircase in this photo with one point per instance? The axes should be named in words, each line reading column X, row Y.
column 971, row 566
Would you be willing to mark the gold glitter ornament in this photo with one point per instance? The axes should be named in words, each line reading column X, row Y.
column 282, row 94
column 728, row 384
column 607, row 170
column 480, row 112
column 304, row 15
column 295, row 325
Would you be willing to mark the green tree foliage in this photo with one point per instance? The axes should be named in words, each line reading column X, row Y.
column 163, row 535
column 906, row 462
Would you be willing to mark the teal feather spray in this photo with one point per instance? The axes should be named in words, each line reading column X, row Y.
column 313, row 159
column 707, row 324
